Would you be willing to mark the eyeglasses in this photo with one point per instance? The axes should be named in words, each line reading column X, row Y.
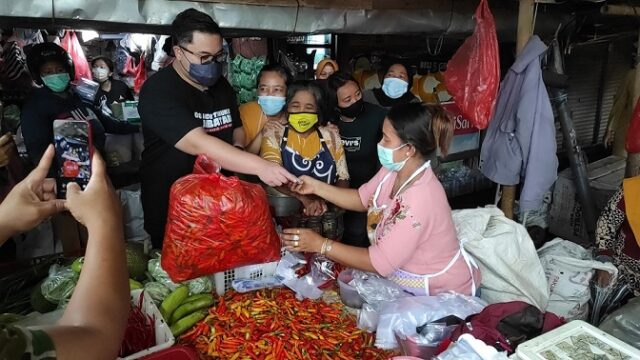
column 220, row 57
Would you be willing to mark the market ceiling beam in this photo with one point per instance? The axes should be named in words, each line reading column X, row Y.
column 344, row 4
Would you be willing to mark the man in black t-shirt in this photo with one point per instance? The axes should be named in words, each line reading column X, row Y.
column 360, row 125
column 188, row 109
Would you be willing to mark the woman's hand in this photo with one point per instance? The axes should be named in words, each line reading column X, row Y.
column 313, row 206
column 306, row 186
column 302, row 240
column 32, row 200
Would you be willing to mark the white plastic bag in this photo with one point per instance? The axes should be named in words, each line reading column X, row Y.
column 569, row 268
column 511, row 270
column 406, row 314
column 470, row 348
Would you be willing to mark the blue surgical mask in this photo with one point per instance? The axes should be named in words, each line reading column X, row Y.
column 56, row 82
column 386, row 158
column 394, row 87
column 271, row 105
column 205, row 74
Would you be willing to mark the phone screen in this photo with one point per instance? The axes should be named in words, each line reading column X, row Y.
column 73, row 143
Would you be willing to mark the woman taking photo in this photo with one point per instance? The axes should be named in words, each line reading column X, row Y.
column 304, row 146
column 413, row 239
column 395, row 88
column 269, row 109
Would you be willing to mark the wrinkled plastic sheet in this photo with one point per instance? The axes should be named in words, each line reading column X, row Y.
column 624, row 323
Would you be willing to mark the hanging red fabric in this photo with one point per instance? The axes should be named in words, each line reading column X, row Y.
column 473, row 73
column 632, row 143
column 71, row 44
column 140, row 75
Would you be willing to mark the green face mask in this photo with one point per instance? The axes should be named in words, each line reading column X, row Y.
column 56, row 82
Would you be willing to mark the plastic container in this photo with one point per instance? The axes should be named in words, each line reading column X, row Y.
column 164, row 338
column 222, row 280
column 576, row 338
column 348, row 294
column 174, row 353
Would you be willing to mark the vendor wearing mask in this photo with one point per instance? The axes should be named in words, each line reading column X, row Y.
column 326, row 68
column 413, row 239
column 188, row 109
column 305, row 146
column 269, row 109
column 395, row 88
column 110, row 91
column 52, row 67
column 360, row 125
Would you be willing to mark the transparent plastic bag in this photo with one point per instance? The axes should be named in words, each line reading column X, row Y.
column 470, row 348
column 201, row 285
column 407, row 313
column 156, row 291
column 159, row 275
column 624, row 323
column 373, row 288
column 60, row 283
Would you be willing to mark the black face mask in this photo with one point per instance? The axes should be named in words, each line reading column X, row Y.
column 352, row 110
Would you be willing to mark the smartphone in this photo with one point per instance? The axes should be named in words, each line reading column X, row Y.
column 74, row 150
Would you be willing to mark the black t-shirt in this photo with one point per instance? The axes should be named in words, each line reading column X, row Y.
column 360, row 139
column 119, row 92
column 170, row 108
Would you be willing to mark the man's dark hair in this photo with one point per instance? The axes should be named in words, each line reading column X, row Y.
column 191, row 20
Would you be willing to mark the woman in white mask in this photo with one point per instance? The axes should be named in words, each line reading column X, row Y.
column 395, row 90
column 413, row 239
column 111, row 90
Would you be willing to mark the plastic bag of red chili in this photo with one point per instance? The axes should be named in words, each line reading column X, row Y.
column 216, row 223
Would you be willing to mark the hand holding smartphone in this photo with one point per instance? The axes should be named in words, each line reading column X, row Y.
column 74, row 149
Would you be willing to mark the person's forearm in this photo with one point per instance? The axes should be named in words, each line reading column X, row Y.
column 100, row 302
column 254, row 146
column 5, row 232
column 239, row 137
column 351, row 256
column 348, row 199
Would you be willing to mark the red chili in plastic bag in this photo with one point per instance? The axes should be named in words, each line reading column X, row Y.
column 216, row 223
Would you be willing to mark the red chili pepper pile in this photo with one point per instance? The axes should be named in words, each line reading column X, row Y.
column 274, row 325
column 140, row 333
column 216, row 223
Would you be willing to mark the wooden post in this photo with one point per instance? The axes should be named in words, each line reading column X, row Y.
column 525, row 30
column 633, row 159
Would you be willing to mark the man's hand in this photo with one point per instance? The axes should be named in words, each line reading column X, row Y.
column 32, row 200
column 275, row 175
column 98, row 204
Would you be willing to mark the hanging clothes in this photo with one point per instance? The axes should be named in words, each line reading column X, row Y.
column 71, row 44
column 520, row 145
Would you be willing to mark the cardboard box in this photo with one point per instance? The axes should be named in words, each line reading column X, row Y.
column 565, row 215
column 127, row 111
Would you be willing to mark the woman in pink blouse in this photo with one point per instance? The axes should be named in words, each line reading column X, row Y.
column 413, row 239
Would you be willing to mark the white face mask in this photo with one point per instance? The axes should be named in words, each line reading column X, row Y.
column 100, row 74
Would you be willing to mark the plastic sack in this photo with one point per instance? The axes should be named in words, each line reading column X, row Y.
column 632, row 142
column 158, row 274
column 624, row 323
column 156, row 291
column 216, row 223
column 71, row 44
column 406, row 314
column 569, row 269
column 469, row 348
column 60, row 283
column 504, row 251
column 473, row 73
column 133, row 215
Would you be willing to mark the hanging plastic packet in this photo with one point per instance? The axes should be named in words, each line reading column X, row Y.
column 322, row 270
